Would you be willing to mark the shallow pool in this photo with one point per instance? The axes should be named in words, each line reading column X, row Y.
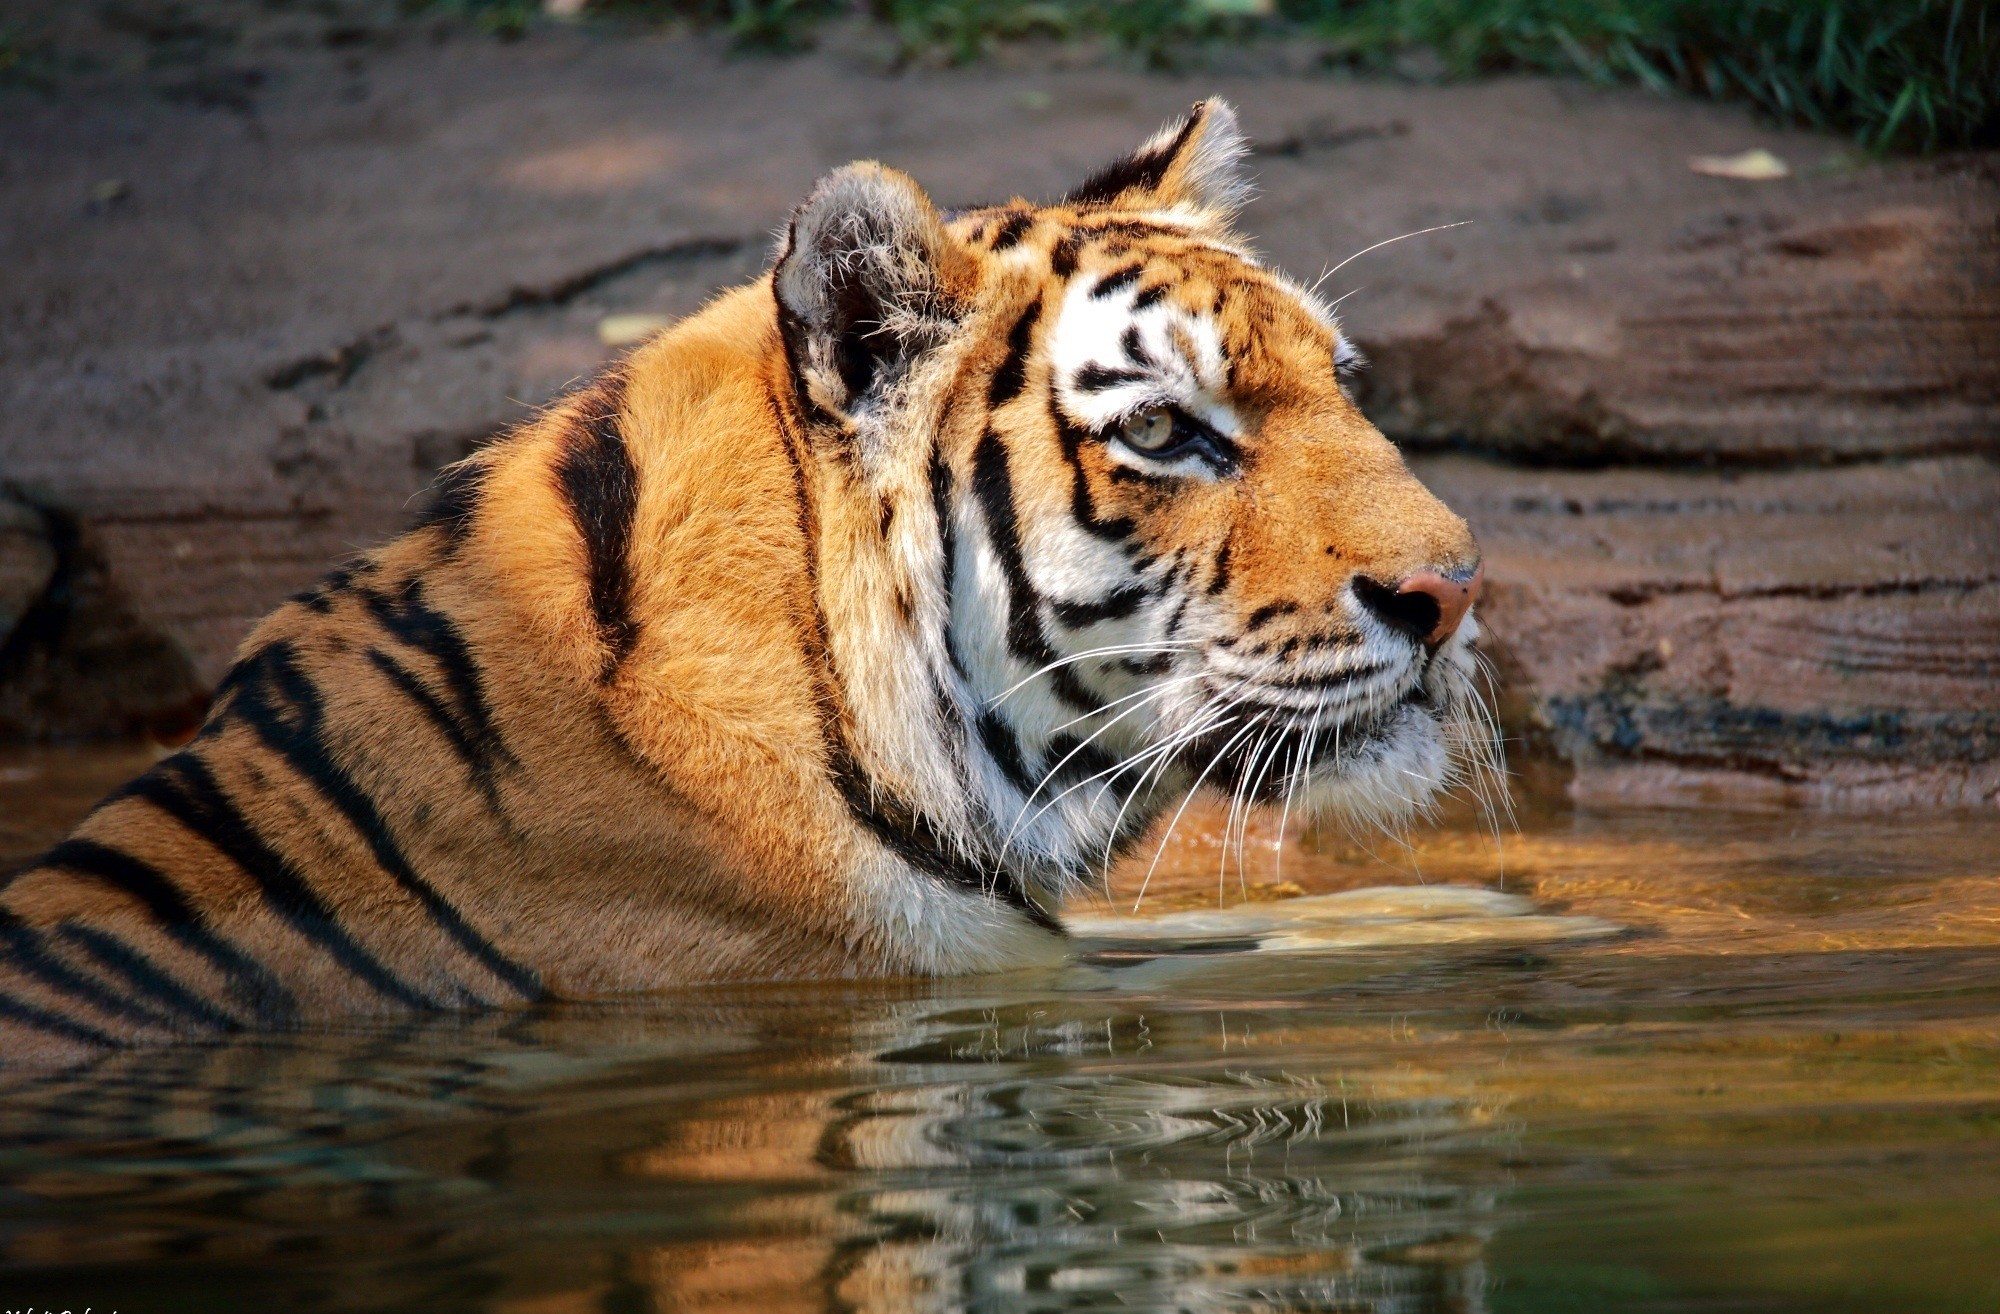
column 1707, row 1062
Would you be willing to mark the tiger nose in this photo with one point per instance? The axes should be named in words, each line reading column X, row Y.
column 1427, row 606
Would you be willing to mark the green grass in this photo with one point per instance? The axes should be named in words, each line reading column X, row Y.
column 1919, row 75
column 506, row 19
column 1897, row 75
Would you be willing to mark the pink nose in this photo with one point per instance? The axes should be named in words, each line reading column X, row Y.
column 1452, row 597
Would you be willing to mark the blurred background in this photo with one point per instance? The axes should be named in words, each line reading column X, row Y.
column 1713, row 366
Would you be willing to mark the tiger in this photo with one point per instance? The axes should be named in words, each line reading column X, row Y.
column 843, row 629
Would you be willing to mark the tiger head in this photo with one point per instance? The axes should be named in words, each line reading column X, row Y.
column 1120, row 531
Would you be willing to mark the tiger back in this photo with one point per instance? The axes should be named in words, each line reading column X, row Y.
column 843, row 629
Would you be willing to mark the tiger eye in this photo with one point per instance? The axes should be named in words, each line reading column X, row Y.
column 1149, row 430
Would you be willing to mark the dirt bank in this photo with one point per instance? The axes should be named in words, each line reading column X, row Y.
column 1731, row 445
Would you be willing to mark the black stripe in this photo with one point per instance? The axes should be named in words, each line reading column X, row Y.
column 1097, row 378
column 914, row 838
column 1267, row 613
column 802, row 506
column 319, row 597
column 455, row 500
column 1012, row 375
column 1150, row 296
column 1011, row 232
column 288, row 714
column 147, row 977
column 1062, row 259
column 941, row 499
column 1115, row 605
column 1319, row 682
column 1220, row 579
column 993, row 485
column 950, row 715
column 447, row 725
column 1135, row 350
column 30, row 1016
column 941, row 504
column 1004, row 748
column 1116, row 279
column 601, row 486
column 26, row 954
column 1318, row 643
column 1081, row 505
column 1140, row 171
column 185, row 789
column 408, row 616
column 251, row 984
column 1078, row 759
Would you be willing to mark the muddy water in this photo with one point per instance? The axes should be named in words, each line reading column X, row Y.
column 1633, row 1061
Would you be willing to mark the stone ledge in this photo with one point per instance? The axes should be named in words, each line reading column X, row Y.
column 1834, row 634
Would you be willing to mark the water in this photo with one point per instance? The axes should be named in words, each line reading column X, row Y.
column 1707, row 1063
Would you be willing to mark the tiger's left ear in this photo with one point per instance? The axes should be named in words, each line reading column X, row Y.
column 868, row 282
column 1196, row 164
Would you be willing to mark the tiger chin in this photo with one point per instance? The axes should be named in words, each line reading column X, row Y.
column 840, row 630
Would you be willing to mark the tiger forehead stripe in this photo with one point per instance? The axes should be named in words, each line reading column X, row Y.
column 1011, row 230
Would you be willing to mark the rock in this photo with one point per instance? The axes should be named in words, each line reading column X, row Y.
column 27, row 563
column 1819, row 636
column 1861, row 326
column 76, row 660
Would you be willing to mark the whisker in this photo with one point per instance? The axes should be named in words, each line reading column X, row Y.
column 1243, row 835
column 1301, row 765
column 1155, row 771
column 1110, row 650
column 1378, row 245
column 1205, row 722
column 1238, row 819
column 1163, row 751
column 1094, row 735
column 1192, row 791
column 1147, row 692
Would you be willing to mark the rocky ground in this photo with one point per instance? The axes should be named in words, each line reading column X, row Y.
column 1733, row 447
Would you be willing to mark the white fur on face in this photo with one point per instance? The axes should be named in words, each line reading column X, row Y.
column 1156, row 355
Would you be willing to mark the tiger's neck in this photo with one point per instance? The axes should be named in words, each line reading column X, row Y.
column 961, row 734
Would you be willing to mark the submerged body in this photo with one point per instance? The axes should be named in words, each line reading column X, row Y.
column 840, row 630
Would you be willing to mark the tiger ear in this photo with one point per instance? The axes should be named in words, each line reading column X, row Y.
column 1195, row 164
column 867, row 282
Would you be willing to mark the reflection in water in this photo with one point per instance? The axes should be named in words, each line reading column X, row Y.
column 1778, row 1090
column 1003, row 1155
